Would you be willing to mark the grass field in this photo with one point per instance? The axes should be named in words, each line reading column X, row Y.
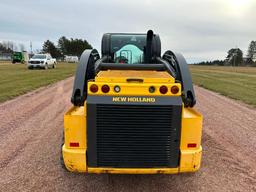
column 16, row 79
column 235, row 82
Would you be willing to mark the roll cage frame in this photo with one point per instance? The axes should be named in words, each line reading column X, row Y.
column 91, row 63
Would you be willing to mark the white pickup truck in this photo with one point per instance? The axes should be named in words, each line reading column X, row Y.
column 44, row 61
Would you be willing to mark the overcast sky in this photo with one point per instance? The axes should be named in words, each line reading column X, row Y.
column 199, row 29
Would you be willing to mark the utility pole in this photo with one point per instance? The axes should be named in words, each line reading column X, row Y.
column 235, row 56
column 234, row 59
column 31, row 47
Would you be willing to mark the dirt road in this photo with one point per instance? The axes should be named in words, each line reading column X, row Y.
column 30, row 137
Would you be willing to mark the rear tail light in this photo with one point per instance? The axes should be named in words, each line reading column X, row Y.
column 74, row 144
column 192, row 145
column 175, row 89
column 163, row 89
column 94, row 88
column 105, row 88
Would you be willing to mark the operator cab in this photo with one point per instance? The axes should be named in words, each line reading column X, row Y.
column 131, row 48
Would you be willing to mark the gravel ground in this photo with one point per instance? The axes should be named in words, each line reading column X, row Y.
column 30, row 137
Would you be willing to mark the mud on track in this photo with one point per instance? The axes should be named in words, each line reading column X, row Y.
column 30, row 137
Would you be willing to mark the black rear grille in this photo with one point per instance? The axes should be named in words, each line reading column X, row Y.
column 136, row 135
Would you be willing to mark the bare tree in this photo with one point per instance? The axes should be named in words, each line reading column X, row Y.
column 21, row 47
column 251, row 53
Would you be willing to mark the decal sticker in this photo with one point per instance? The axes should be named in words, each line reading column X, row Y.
column 134, row 99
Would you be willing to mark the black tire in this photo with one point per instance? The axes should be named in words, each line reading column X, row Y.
column 84, row 72
column 61, row 156
column 54, row 65
column 46, row 66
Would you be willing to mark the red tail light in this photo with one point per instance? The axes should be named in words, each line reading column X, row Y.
column 192, row 145
column 74, row 144
column 94, row 88
column 175, row 89
column 105, row 88
column 163, row 89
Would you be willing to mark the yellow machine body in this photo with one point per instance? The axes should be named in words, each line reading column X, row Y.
column 133, row 84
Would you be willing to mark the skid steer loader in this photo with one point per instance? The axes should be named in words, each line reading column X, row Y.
column 133, row 110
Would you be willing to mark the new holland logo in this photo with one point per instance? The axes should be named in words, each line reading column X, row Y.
column 134, row 99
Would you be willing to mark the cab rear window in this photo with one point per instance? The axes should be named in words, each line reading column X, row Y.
column 128, row 48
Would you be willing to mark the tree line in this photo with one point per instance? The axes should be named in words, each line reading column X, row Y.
column 9, row 47
column 65, row 46
column 235, row 57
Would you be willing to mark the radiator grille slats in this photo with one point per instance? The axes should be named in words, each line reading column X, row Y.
column 137, row 135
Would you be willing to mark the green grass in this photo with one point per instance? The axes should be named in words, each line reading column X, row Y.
column 16, row 79
column 235, row 82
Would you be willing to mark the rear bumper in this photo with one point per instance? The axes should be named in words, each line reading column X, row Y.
column 75, row 161
column 16, row 60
